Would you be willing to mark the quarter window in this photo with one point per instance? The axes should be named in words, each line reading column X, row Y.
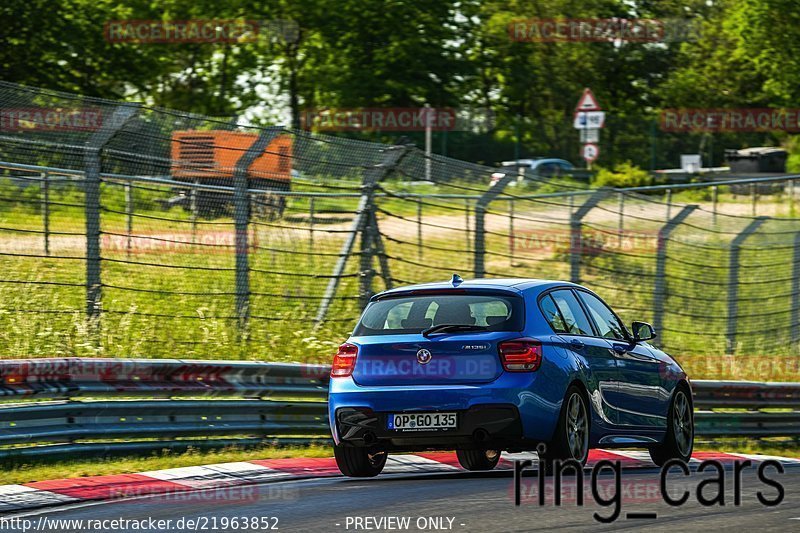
column 552, row 315
column 575, row 319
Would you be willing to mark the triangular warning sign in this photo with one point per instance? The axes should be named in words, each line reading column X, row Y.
column 587, row 102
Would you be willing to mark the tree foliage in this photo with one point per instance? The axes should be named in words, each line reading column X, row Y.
column 455, row 53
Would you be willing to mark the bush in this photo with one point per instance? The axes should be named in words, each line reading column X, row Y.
column 624, row 175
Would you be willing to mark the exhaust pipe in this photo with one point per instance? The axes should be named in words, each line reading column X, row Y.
column 370, row 438
column 480, row 435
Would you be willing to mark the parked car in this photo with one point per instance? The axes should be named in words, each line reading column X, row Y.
column 545, row 166
column 492, row 365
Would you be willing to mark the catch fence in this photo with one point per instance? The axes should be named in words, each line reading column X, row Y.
column 145, row 231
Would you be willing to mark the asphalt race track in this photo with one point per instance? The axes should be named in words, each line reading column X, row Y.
column 452, row 502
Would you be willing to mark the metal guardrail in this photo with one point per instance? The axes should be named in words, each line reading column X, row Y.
column 75, row 406
column 747, row 409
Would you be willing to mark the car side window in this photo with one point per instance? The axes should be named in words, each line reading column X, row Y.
column 551, row 314
column 577, row 323
column 607, row 323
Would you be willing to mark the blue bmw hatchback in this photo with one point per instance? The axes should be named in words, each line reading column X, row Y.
column 492, row 365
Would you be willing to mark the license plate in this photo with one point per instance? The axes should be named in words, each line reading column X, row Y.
column 422, row 421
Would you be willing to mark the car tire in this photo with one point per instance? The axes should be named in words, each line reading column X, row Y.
column 679, row 440
column 477, row 460
column 571, row 438
column 359, row 462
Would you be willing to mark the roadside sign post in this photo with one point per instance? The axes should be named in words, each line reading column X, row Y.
column 590, row 152
column 588, row 120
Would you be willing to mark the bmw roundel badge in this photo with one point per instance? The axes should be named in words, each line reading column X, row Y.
column 424, row 356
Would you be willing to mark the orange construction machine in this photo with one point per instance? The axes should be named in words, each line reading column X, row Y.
column 210, row 157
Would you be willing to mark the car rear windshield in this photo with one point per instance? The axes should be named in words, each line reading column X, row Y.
column 414, row 314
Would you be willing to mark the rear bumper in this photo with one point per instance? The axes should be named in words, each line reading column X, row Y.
column 482, row 426
column 516, row 411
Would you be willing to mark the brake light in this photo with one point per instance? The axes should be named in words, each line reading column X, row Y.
column 521, row 355
column 344, row 361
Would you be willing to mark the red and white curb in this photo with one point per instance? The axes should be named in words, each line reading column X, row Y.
column 175, row 481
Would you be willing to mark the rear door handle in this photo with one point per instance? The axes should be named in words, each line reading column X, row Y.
column 575, row 343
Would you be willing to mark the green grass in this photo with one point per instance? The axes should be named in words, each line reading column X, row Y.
column 44, row 470
column 179, row 301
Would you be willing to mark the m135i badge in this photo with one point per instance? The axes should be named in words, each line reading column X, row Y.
column 475, row 347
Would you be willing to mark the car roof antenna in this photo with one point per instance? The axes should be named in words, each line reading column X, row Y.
column 457, row 280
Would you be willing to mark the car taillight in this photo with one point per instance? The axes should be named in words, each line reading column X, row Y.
column 344, row 361
column 521, row 355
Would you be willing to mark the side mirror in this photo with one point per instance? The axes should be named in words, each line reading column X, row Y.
column 642, row 331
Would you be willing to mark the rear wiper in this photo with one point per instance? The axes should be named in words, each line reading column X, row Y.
column 451, row 328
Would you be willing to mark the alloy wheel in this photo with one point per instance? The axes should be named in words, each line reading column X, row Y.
column 577, row 427
column 682, row 423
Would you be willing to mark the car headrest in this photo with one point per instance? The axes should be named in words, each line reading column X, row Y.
column 454, row 313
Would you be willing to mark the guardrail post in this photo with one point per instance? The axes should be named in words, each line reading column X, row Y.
column 795, row 326
column 392, row 157
column 46, row 211
column 733, row 280
column 241, row 219
column 575, row 238
column 659, row 291
column 480, row 222
column 92, row 161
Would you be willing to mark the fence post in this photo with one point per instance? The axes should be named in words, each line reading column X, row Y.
column 419, row 228
column 714, row 193
column 575, row 238
column 391, row 158
column 241, row 219
column 92, row 162
column 466, row 224
column 621, row 224
column 669, row 203
column 129, row 214
column 193, row 209
column 733, row 280
column 46, row 211
column 511, row 232
column 795, row 326
column 480, row 221
column 659, row 291
column 311, row 215
column 367, row 254
column 753, row 197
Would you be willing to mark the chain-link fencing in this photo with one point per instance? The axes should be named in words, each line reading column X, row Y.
column 128, row 230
